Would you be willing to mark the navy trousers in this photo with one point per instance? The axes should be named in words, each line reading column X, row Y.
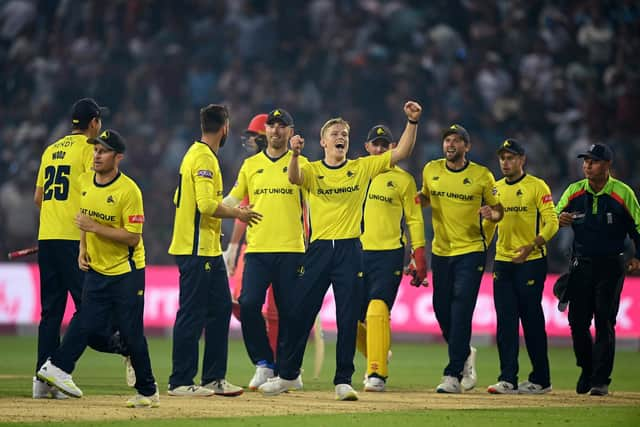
column 517, row 295
column 327, row 262
column 60, row 276
column 103, row 296
column 205, row 303
column 456, row 282
column 261, row 270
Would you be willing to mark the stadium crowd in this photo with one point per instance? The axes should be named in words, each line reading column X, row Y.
column 557, row 76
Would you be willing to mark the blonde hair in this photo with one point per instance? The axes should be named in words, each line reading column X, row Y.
column 334, row 121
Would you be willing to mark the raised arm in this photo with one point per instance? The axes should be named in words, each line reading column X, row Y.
column 294, row 172
column 413, row 110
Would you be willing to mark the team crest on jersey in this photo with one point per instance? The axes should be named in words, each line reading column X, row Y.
column 84, row 193
column 320, row 176
column 350, row 174
column 110, row 200
column 391, row 184
column 285, row 169
column 260, row 171
column 205, row 173
column 466, row 181
column 435, row 178
column 519, row 192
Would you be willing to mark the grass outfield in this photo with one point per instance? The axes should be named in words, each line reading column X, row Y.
column 415, row 370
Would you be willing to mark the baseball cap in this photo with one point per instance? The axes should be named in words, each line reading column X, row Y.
column 111, row 140
column 512, row 146
column 84, row 110
column 380, row 132
column 598, row 152
column 280, row 115
column 256, row 125
column 457, row 129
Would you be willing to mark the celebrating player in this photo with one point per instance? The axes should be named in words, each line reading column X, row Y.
column 205, row 300
column 112, row 253
column 270, row 258
column 390, row 199
column 461, row 194
column 337, row 189
column 520, row 270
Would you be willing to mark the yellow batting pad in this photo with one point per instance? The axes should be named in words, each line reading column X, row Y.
column 378, row 338
column 361, row 338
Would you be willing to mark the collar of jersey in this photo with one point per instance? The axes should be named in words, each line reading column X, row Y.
column 605, row 190
column 108, row 183
column 466, row 165
column 516, row 181
column 207, row 145
column 273, row 159
column 335, row 167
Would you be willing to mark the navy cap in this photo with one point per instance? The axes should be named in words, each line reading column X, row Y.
column 280, row 115
column 380, row 133
column 457, row 129
column 111, row 140
column 86, row 109
column 512, row 146
column 598, row 152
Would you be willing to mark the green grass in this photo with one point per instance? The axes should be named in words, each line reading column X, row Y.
column 414, row 366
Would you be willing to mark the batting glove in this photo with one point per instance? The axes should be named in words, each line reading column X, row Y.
column 417, row 268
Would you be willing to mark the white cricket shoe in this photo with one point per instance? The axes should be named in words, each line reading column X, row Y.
column 42, row 390
column 276, row 385
column 58, row 378
column 190, row 391
column 345, row 392
column 224, row 388
column 449, row 385
column 260, row 377
column 374, row 384
column 502, row 387
column 140, row 401
column 469, row 375
column 129, row 371
column 527, row 387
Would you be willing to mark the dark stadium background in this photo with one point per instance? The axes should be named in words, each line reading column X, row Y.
column 558, row 76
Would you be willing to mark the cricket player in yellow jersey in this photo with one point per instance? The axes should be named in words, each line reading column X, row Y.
column 336, row 190
column 111, row 217
column 274, row 246
column 391, row 199
column 461, row 194
column 520, row 270
column 57, row 194
column 205, row 300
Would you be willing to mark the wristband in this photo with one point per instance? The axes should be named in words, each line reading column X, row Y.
column 413, row 122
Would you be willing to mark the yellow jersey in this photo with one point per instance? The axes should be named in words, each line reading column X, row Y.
column 265, row 181
column 117, row 204
column 528, row 212
column 61, row 165
column 195, row 230
column 336, row 195
column 456, row 197
column 392, row 197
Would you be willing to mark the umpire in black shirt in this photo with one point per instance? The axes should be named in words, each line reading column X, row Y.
column 602, row 211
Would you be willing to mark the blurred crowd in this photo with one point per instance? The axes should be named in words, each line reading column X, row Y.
column 556, row 75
